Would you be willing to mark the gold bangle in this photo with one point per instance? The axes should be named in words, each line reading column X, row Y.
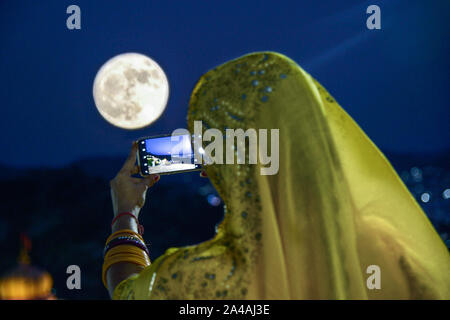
column 121, row 258
column 126, row 249
column 124, row 253
column 125, row 231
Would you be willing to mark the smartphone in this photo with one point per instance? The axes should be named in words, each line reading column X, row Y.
column 166, row 154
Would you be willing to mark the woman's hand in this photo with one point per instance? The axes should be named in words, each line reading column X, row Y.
column 128, row 193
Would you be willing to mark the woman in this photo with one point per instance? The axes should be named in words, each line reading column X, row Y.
column 311, row 231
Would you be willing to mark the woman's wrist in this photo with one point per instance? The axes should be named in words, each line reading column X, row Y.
column 134, row 210
column 125, row 222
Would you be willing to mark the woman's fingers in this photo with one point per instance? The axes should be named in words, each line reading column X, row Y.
column 129, row 165
column 147, row 181
column 151, row 179
column 135, row 170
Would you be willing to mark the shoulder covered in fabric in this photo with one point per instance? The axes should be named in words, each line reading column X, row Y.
column 208, row 269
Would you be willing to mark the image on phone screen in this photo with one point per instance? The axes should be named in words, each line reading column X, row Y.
column 166, row 155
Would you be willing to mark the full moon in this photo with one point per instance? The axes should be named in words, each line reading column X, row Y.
column 131, row 91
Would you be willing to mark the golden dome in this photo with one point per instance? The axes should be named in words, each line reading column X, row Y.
column 26, row 282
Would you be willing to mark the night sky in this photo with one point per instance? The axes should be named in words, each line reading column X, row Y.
column 394, row 81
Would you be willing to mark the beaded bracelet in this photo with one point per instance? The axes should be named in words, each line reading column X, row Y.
column 129, row 240
column 122, row 232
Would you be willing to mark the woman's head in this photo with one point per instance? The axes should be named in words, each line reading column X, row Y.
column 233, row 96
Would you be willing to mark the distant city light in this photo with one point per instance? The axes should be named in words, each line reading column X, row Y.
column 425, row 197
column 446, row 194
column 416, row 173
column 213, row 200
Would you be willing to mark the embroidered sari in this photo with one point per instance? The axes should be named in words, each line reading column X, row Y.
column 335, row 207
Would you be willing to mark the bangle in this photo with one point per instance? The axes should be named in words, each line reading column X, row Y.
column 124, row 253
column 124, row 245
column 128, row 250
column 140, row 227
column 141, row 261
column 129, row 240
column 124, row 232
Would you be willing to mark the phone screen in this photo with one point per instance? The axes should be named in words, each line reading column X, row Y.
column 166, row 154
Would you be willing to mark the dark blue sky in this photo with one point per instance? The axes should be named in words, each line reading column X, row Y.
column 394, row 81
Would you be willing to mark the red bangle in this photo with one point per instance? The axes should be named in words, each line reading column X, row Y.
column 140, row 227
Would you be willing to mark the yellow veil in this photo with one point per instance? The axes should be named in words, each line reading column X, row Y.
column 335, row 207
